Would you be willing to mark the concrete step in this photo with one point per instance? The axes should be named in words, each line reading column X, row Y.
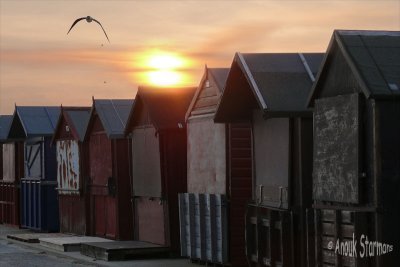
column 34, row 237
column 123, row 250
column 69, row 244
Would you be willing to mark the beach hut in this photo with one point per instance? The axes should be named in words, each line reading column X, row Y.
column 219, row 172
column 356, row 163
column 34, row 125
column 109, row 183
column 11, row 171
column 72, row 169
column 158, row 132
column 271, row 90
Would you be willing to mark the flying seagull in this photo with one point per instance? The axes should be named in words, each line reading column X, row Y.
column 88, row 19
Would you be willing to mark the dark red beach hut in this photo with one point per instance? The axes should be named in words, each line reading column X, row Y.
column 220, row 167
column 72, row 169
column 158, row 132
column 270, row 91
column 109, row 183
column 11, row 170
column 34, row 125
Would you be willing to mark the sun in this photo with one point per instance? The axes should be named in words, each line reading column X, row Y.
column 163, row 68
column 165, row 62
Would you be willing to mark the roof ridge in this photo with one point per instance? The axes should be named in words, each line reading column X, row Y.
column 116, row 112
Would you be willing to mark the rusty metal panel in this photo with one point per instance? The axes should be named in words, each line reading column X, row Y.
column 8, row 162
column 150, row 220
column 68, row 170
column 336, row 149
column 272, row 160
column 146, row 162
column 206, row 157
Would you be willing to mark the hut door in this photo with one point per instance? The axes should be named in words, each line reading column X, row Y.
column 103, row 204
column 33, row 158
column 272, row 160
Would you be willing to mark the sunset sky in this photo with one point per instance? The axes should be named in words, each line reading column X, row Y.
column 41, row 65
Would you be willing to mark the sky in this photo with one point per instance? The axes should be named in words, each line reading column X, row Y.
column 41, row 65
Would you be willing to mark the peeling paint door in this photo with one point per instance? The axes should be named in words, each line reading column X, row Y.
column 68, row 167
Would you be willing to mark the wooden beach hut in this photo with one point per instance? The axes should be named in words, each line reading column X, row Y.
column 72, row 169
column 109, row 183
column 219, row 179
column 11, row 170
column 34, row 125
column 158, row 132
column 356, row 163
column 270, row 91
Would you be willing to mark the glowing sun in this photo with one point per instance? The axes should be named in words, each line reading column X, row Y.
column 164, row 68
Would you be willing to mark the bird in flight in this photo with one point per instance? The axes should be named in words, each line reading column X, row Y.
column 88, row 19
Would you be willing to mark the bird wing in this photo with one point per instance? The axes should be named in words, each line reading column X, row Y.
column 101, row 28
column 75, row 22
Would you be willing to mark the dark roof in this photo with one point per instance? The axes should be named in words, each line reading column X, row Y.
column 166, row 106
column 35, row 120
column 5, row 121
column 280, row 82
column 113, row 114
column 220, row 75
column 373, row 57
column 77, row 118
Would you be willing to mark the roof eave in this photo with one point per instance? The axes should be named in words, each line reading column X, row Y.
column 250, row 79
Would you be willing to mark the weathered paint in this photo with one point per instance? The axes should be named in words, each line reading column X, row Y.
column 206, row 156
column 336, row 149
column 8, row 174
column 68, row 170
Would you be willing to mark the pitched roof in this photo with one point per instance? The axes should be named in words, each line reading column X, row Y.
column 34, row 121
column 166, row 106
column 219, row 75
column 279, row 82
column 77, row 118
column 113, row 114
column 373, row 57
column 5, row 121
